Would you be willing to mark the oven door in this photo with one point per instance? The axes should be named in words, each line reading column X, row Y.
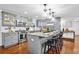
column 22, row 37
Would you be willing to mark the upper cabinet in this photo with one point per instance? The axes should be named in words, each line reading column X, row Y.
column 8, row 19
column 29, row 22
column 21, row 21
column 42, row 22
column 24, row 21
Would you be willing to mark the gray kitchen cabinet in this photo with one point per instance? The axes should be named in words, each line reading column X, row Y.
column 9, row 39
column 21, row 21
column 8, row 19
column 34, row 44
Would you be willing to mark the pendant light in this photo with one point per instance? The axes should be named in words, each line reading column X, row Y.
column 45, row 9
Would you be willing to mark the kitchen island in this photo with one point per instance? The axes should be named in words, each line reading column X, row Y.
column 36, row 41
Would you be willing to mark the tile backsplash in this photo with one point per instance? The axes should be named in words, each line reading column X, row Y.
column 6, row 29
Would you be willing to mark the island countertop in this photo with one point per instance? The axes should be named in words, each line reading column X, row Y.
column 42, row 34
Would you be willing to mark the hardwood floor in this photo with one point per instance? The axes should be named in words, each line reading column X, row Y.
column 17, row 49
column 69, row 47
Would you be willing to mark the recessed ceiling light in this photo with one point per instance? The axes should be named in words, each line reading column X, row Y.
column 36, row 16
column 25, row 12
column 0, row 10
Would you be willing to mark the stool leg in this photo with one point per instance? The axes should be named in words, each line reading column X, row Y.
column 52, row 50
column 45, row 49
column 48, row 48
column 56, row 48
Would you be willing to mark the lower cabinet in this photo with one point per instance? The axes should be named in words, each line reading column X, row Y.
column 70, row 35
column 9, row 39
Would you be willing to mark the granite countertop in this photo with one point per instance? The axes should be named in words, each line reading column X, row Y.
column 9, row 32
column 41, row 34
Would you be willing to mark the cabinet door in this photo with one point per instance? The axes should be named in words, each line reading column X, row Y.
column 10, row 40
column 34, row 44
column 8, row 19
column 7, row 41
column 21, row 22
column 68, row 35
column 14, row 40
column 5, row 19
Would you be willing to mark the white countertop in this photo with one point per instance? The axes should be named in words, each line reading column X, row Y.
column 41, row 34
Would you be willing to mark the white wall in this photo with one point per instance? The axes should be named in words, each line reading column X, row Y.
column 57, row 24
column 71, row 24
column 75, row 26
column 34, row 21
column 0, row 29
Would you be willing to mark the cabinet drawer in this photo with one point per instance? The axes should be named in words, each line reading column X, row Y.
column 9, row 43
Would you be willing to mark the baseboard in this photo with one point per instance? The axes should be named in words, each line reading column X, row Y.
column 76, row 35
column 10, row 45
column 69, row 39
column 1, row 46
column 13, row 45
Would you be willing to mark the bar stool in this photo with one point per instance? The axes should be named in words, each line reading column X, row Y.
column 52, row 44
column 48, row 43
column 61, row 40
column 55, row 43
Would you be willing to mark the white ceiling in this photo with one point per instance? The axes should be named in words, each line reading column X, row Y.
column 62, row 10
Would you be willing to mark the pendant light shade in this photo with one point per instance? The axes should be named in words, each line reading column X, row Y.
column 48, row 12
column 45, row 10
